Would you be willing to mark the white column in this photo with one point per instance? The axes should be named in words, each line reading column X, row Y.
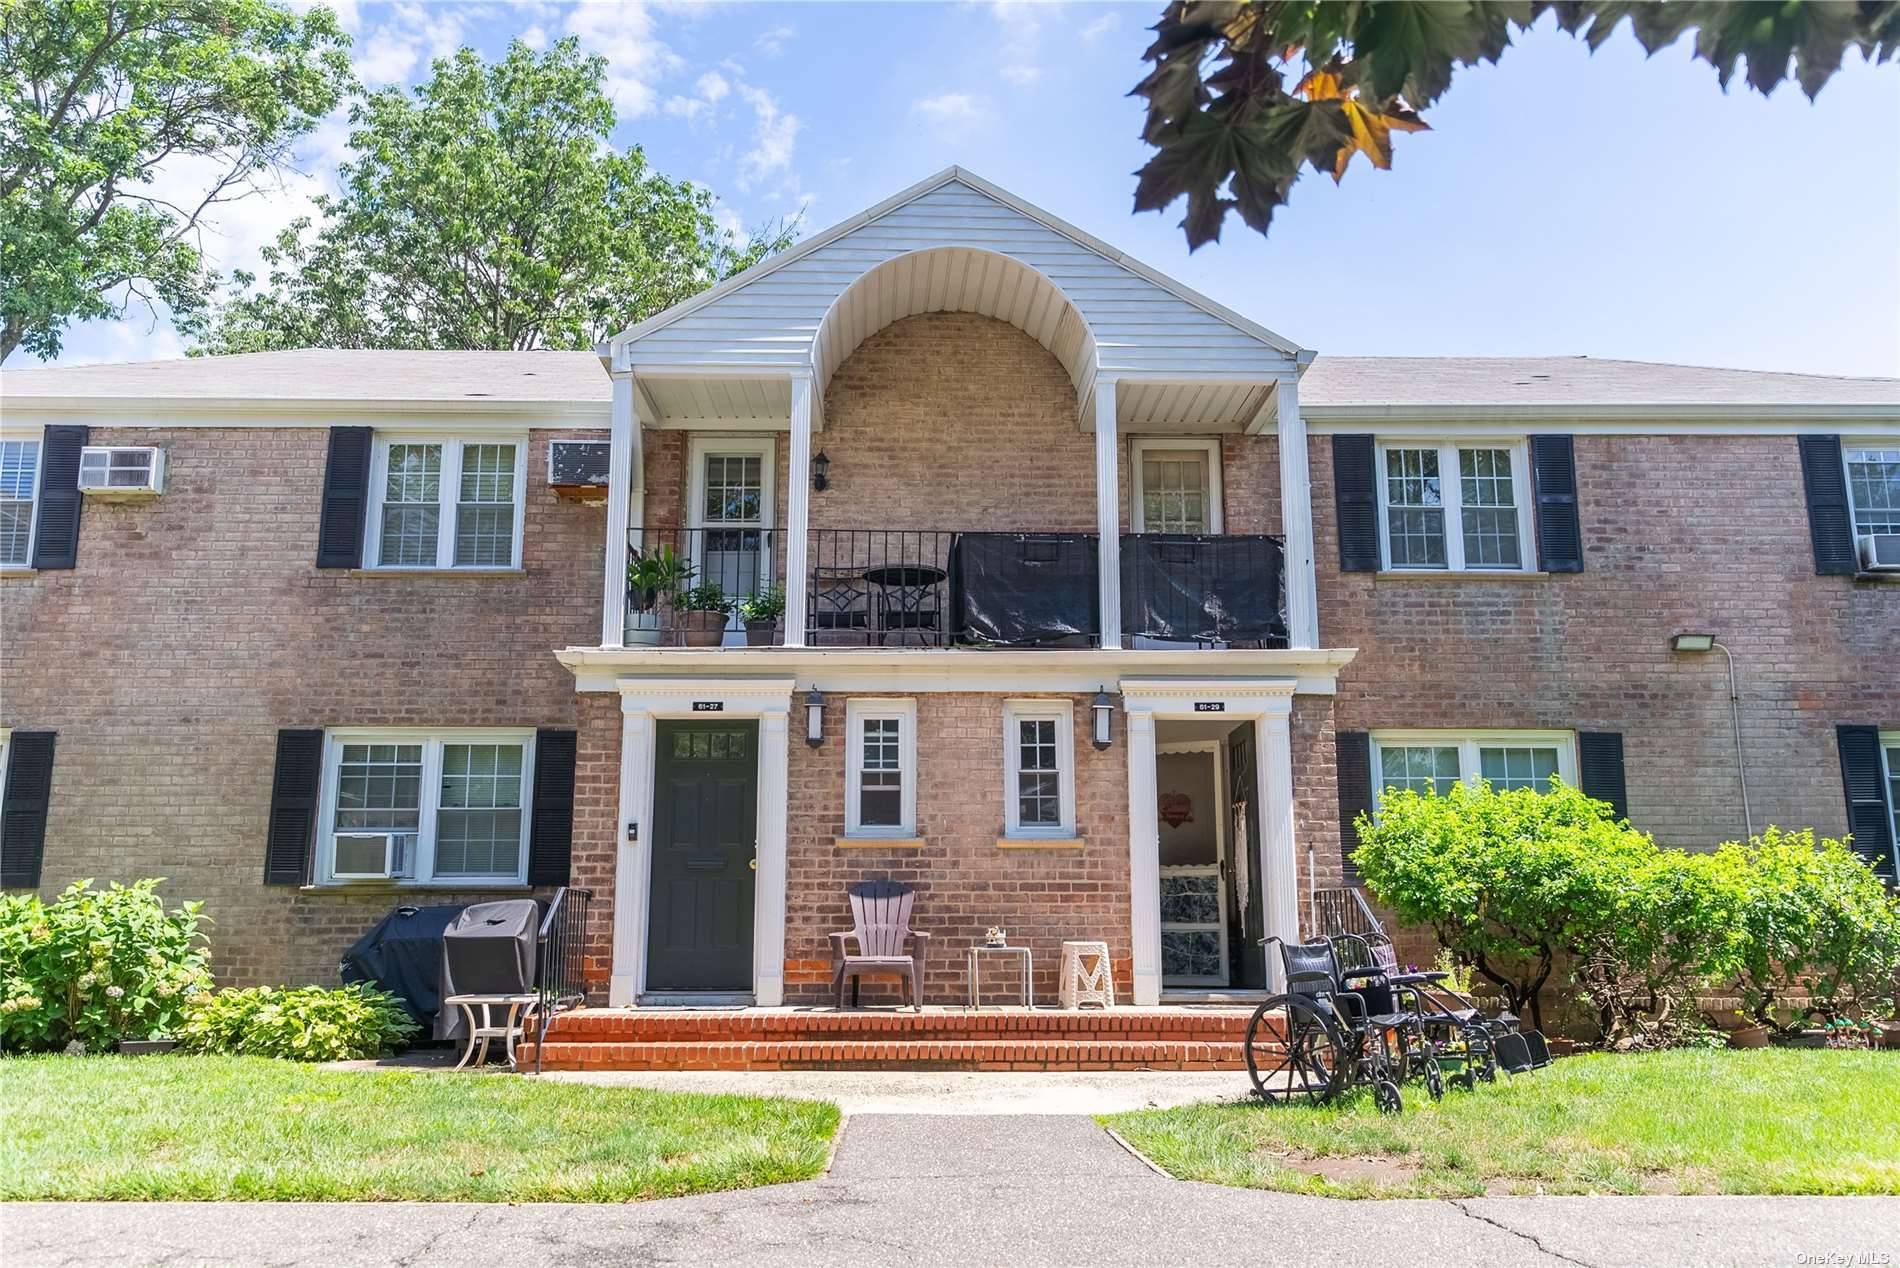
column 768, row 913
column 1296, row 519
column 624, row 437
column 631, row 868
column 798, row 511
column 1144, row 858
column 1273, row 777
column 1108, row 519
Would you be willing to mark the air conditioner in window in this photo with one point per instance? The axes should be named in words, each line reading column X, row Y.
column 373, row 856
column 121, row 471
column 1880, row 552
column 577, row 469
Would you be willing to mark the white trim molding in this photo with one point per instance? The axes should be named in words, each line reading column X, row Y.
column 1268, row 704
column 1061, row 712
column 1108, row 514
column 1450, row 506
column 1468, row 744
column 1296, row 518
column 643, row 702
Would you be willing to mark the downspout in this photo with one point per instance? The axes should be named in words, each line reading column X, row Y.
column 1735, row 717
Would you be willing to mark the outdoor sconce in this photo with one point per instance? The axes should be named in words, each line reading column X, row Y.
column 1104, row 711
column 814, row 717
column 1693, row 642
column 820, row 471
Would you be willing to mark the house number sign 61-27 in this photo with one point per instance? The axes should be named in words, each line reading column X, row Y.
column 709, row 706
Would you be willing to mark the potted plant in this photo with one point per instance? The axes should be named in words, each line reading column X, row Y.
column 1750, row 1034
column 654, row 577
column 700, row 615
column 761, row 613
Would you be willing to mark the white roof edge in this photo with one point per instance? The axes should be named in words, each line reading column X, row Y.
column 1055, row 224
column 1631, row 410
column 175, row 405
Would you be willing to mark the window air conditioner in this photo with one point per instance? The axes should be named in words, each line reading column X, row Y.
column 366, row 856
column 121, row 471
column 1880, row 552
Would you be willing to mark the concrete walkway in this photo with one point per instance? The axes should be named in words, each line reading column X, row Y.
column 994, row 1190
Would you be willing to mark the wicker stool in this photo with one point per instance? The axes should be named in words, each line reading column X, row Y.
column 1086, row 985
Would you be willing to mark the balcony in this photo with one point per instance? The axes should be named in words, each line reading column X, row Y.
column 952, row 588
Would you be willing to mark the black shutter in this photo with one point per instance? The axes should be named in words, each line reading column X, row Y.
column 1352, row 765
column 56, row 538
column 551, row 834
column 1600, row 769
column 28, row 792
column 1830, row 522
column 345, row 498
column 1869, row 817
column 1559, row 526
column 293, row 807
column 1356, row 502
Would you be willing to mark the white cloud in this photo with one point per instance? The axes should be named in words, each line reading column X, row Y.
column 712, row 87
column 954, row 113
column 386, row 57
column 1100, row 27
column 1021, row 25
column 771, row 42
column 534, row 37
column 774, row 137
column 636, row 61
column 1020, row 73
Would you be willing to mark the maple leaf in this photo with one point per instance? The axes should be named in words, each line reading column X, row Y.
column 1369, row 127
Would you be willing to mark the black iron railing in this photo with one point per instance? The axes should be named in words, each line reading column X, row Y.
column 677, row 576
column 1332, row 912
column 560, row 961
column 1221, row 589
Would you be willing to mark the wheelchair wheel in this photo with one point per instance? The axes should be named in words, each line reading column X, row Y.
column 1434, row 1077
column 1385, row 1095
column 1304, row 1063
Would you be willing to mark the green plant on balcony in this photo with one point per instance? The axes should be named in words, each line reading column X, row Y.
column 761, row 613
column 654, row 575
column 700, row 614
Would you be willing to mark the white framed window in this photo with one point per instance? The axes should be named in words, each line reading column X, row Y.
column 1437, row 761
column 1176, row 486
column 426, row 807
column 1460, row 506
column 1039, row 768
column 19, row 500
column 881, row 775
column 731, row 510
column 1889, row 753
column 1873, row 487
column 438, row 502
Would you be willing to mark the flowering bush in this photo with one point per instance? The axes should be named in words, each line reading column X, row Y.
column 96, row 966
column 307, row 1024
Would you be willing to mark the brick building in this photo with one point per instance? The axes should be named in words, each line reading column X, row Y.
column 1105, row 608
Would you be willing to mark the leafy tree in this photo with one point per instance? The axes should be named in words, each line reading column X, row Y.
column 95, row 96
column 1243, row 94
column 488, row 211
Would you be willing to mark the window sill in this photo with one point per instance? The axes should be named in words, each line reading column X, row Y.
column 1039, row 843
column 18, row 574
column 413, row 573
column 878, row 843
column 1465, row 574
column 417, row 887
column 1889, row 578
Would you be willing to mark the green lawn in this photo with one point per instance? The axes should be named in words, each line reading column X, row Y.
column 205, row 1128
column 1767, row 1121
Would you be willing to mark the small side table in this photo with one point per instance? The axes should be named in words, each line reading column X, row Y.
column 508, row 1030
column 978, row 951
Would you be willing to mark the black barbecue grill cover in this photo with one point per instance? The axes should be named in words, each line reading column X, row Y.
column 1025, row 589
column 403, row 955
column 488, row 950
column 1203, row 589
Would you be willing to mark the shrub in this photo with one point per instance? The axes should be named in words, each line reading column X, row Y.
column 96, row 966
column 307, row 1024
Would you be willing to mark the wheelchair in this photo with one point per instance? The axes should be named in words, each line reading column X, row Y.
column 1470, row 1043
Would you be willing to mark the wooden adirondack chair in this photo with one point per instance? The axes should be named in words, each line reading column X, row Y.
column 881, row 910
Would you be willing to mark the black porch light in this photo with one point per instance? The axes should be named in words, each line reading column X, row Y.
column 1104, row 710
column 814, row 717
column 820, row 471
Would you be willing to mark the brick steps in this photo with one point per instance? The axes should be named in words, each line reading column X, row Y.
column 951, row 1039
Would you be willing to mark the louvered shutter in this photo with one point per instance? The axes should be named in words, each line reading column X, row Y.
column 1559, row 522
column 1356, row 502
column 1600, row 769
column 1830, row 519
column 23, row 807
column 551, row 832
column 345, row 498
column 293, row 807
column 1352, row 766
column 56, row 533
column 1869, row 817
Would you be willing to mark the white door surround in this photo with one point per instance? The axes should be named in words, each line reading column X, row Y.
column 1268, row 704
column 643, row 701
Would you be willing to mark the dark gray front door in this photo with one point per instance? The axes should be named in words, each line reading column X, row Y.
column 705, row 816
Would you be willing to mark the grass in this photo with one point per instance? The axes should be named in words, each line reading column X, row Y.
column 1689, row 1121
column 246, row 1128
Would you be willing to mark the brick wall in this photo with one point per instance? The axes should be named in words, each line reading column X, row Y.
column 197, row 625
column 1680, row 533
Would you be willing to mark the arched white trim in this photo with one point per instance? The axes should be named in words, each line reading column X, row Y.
column 956, row 280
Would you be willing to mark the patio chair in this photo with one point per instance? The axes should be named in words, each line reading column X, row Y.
column 880, row 911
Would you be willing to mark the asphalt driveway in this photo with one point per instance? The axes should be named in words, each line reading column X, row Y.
column 994, row 1190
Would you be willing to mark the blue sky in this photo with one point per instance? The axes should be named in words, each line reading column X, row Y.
column 1608, row 205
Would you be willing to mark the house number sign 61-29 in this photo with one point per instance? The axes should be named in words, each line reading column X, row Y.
column 1210, row 706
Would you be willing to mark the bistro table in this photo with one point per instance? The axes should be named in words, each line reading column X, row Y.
column 908, row 598
column 979, row 950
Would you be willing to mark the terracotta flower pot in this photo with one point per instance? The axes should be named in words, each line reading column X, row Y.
column 760, row 633
column 1748, row 1037
column 700, row 629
